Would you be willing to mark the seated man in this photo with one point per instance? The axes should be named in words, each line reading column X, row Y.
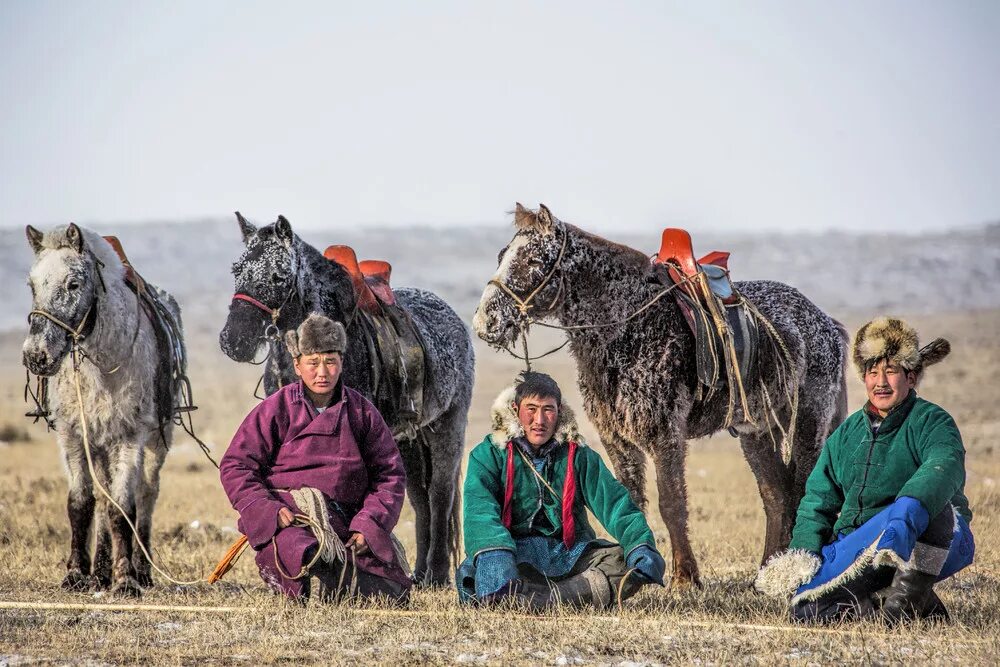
column 319, row 449
column 884, row 515
column 527, row 490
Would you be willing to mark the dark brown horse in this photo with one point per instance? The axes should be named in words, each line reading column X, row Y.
column 638, row 379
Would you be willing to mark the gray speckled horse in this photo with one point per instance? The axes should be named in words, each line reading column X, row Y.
column 638, row 379
column 281, row 271
column 78, row 279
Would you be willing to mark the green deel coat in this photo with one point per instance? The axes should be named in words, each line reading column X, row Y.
column 918, row 452
column 534, row 509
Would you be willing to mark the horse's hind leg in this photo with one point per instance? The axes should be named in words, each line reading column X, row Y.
column 127, row 467
column 775, row 486
column 80, row 508
column 445, row 438
column 147, row 491
column 670, row 456
column 416, row 463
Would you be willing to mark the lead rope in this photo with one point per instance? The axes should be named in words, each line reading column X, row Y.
column 93, row 475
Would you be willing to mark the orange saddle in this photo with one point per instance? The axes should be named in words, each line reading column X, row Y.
column 370, row 278
column 677, row 255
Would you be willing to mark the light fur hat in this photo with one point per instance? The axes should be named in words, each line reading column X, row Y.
column 317, row 334
column 893, row 339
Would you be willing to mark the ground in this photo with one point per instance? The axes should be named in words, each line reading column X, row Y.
column 238, row 621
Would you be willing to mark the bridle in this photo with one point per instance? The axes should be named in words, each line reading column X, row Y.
column 525, row 305
column 76, row 334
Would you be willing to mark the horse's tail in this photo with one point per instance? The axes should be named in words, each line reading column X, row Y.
column 455, row 522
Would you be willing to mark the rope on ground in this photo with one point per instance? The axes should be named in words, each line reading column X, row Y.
column 472, row 615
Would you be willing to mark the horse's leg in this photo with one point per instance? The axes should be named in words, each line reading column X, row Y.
column 102, row 544
column 629, row 463
column 670, row 457
column 416, row 490
column 775, row 486
column 80, row 508
column 147, row 491
column 445, row 438
column 127, row 465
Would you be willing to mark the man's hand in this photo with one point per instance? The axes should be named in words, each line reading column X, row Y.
column 357, row 541
column 285, row 517
column 647, row 562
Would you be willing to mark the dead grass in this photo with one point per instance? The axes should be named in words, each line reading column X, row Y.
column 723, row 623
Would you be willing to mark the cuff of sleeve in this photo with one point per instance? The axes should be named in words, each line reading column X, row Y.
column 259, row 521
column 376, row 537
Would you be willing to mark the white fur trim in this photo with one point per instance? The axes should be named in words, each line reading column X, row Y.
column 785, row 572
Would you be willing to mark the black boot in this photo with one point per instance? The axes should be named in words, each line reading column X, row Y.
column 909, row 597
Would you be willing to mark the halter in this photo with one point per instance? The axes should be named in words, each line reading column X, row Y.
column 76, row 334
column 524, row 305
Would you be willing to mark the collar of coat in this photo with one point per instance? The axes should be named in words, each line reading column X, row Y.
column 894, row 419
column 506, row 426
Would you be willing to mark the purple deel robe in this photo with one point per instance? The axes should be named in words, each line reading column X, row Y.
column 346, row 451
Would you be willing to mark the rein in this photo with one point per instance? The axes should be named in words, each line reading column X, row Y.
column 524, row 306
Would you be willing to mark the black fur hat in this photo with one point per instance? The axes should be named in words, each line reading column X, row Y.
column 893, row 339
column 317, row 334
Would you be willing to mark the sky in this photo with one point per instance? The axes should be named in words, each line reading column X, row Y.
column 789, row 116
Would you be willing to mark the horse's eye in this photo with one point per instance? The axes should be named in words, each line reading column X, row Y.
column 73, row 285
column 276, row 277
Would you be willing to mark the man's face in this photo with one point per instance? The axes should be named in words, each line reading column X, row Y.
column 319, row 372
column 538, row 417
column 888, row 384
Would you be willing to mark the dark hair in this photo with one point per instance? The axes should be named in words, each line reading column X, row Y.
column 541, row 385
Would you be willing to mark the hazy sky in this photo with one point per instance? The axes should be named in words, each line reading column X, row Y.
column 721, row 115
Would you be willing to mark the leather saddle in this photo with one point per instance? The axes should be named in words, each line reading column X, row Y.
column 394, row 343
column 170, row 372
column 726, row 336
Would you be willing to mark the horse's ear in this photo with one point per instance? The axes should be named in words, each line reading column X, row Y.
column 34, row 238
column 283, row 229
column 75, row 237
column 545, row 217
column 523, row 218
column 246, row 229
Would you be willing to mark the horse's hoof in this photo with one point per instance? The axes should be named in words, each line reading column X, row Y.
column 679, row 584
column 75, row 580
column 127, row 588
column 145, row 579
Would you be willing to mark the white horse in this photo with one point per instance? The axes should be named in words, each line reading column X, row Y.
column 89, row 333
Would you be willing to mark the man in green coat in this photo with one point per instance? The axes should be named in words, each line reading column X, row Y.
column 528, row 487
column 884, row 515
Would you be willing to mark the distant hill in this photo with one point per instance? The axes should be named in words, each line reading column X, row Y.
column 954, row 270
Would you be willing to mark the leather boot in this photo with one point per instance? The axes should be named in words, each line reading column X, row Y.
column 908, row 597
column 533, row 596
column 590, row 587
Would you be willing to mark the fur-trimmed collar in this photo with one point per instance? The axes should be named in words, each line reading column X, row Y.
column 507, row 427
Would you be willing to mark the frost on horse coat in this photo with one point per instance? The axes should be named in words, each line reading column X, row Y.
column 77, row 275
column 346, row 452
column 638, row 378
column 283, row 272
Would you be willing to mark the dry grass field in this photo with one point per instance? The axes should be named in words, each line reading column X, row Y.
column 723, row 623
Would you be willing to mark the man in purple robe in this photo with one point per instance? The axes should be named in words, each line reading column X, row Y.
column 317, row 436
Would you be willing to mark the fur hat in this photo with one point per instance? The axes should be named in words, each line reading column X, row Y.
column 317, row 334
column 893, row 339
